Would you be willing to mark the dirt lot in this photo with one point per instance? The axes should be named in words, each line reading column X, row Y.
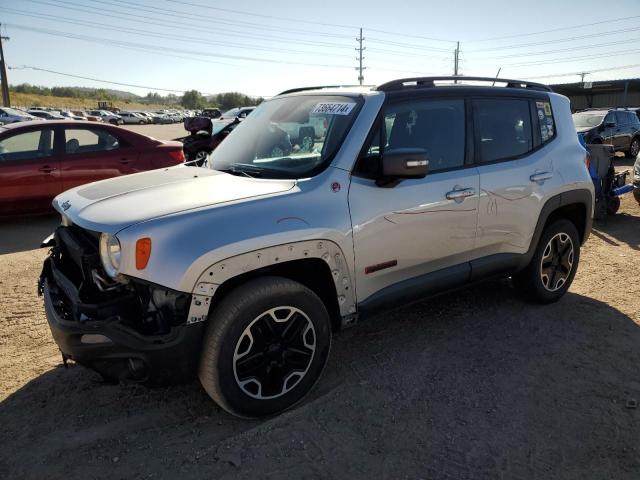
column 473, row 385
column 163, row 132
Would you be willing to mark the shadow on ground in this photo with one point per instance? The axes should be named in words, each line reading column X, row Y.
column 622, row 227
column 473, row 385
column 26, row 233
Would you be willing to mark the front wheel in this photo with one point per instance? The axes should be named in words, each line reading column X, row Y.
column 553, row 266
column 266, row 345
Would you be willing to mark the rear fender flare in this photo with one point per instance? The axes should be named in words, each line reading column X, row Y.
column 579, row 196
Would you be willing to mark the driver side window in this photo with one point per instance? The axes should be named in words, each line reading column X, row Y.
column 437, row 126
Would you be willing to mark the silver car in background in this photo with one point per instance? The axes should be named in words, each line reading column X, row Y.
column 12, row 115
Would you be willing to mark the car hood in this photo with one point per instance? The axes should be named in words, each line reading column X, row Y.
column 117, row 203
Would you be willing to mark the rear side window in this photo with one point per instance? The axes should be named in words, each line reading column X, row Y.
column 83, row 140
column 503, row 128
column 28, row 145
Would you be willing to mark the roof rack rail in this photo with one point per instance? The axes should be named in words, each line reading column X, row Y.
column 302, row 89
column 428, row 82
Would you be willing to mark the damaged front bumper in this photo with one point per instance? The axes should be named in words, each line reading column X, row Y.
column 135, row 331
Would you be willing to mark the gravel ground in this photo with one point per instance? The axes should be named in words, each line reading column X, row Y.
column 472, row 385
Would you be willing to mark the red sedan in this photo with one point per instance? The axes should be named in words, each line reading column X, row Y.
column 40, row 159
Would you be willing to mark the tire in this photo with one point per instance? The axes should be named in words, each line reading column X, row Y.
column 636, row 195
column 531, row 281
column 634, row 148
column 141, row 122
column 243, row 326
column 200, row 157
column 113, row 122
column 613, row 205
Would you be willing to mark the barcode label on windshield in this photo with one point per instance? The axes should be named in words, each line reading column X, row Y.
column 334, row 108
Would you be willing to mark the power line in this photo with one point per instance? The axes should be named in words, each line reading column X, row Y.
column 176, row 24
column 569, row 49
column 176, row 50
column 573, row 59
column 312, row 22
column 147, row 33
column 566, row 39
column 407, row 45
column 273, row 17
column 623, row 67
column 556, row 29
column 28, row 67
column 173, row 14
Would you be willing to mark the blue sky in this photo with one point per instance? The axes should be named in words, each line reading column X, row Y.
column 261, row 48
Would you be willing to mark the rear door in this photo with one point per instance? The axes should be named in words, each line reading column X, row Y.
column 514, row 171
column 29, row 171
column 95, row 153
column 622, row 132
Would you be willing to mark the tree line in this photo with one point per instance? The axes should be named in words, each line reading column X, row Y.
column 191, row 99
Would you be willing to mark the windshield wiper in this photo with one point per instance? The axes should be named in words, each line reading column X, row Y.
column 233, row 170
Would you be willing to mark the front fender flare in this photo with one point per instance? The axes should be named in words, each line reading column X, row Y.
column 326, row 250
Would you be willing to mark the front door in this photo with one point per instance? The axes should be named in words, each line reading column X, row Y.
column 404, row 231
column 29, row 171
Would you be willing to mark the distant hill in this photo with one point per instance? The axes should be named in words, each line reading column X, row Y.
column 119, row 94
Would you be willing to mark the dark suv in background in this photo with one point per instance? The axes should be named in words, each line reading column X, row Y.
column 617, row 127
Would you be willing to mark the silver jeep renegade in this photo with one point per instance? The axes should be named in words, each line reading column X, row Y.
column 323, row 207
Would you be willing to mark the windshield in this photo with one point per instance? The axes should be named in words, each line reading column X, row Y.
column 218, row 126
column 583, row 120
column 231, row 113
column 289, row 137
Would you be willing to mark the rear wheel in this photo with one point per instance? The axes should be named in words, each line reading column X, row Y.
column 553, row 266
column 634, row 148
column 113, row 122
column 266, row 345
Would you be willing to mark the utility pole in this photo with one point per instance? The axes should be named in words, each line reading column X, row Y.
column 456, row 57
column 3, row 70
column 360, row 49
column 582, row 75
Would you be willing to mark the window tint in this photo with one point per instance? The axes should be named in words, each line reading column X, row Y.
column 621, row 118
column 82, row 140
column 437, row 126
column 28, row 145
column 503, row 127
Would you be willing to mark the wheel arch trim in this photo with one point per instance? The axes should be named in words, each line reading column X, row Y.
column 215, row 275
column 571, row 197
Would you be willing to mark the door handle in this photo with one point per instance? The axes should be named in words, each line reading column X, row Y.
column 47, row 169
column 541, row 177
column 459, row 194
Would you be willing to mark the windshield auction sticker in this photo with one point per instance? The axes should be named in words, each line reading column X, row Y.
column 334, row 108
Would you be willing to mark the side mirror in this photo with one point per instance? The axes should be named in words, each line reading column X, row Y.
column 403, row 163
